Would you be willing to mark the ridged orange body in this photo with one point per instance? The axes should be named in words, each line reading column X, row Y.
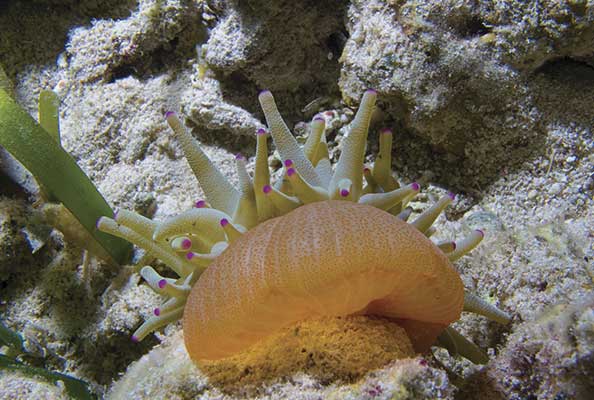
column 329, row 258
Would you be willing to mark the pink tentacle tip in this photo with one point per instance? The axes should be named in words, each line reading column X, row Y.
column 344, row 192
column 224, row 222
column 169, row 114
column 366, row 170
column 267, row 189
column 189, row 255
column 261, row 131
column 386, row 131
column 200, row 204
column 135, row 339
column 453, row 245
column 291, row 171
column 415, row 186
column 162, row 283
column 186, row 244
column 157, row 311
column 480, row 232
column 288, row 163
column 452, row 195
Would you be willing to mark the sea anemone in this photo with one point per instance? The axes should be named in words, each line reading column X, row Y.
column 318, row 242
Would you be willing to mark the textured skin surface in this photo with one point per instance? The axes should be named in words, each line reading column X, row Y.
column 327, row 349
column 324, row 259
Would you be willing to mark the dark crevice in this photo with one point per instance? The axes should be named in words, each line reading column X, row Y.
column 470, row 27
column 475, row 27
column 567, row 69
column 336, row 42
column 121, row 72
column 239, row 90
column 562, row 89
column 171, row 55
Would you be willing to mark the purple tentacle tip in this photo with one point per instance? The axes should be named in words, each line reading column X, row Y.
column 200, row 204
column 453, row 246
column 135, row 339
column 239, row 156
column 344, row 192
column 371, row 91
column 186, row 244
column 415, row 186
column 157, row 311
column 288, row 163
column 162, row 283
column 98, row 222
column 452, row 195
column 115, row 214
column 291, row 171
column 261, row 131
column 319, row 118
column 480, row 232
column 264, row 92
column 169, row 114
column 189, row 255
column 267, row 189
column 386, row 131
column 224, row 222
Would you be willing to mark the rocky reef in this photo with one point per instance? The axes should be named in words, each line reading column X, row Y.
column 491, row 100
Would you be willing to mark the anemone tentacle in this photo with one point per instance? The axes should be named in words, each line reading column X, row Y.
column 264, row 206
column 232, row 232
column 312, row 143
column 181, row 244
column 281, row 201
column 218, row 190
column 322, row 163
column 475, row 304
column 158, row 250
column 138, row 223
column 201, row 259
column 286, row 144
column 465, row 245
column 428, row 217
column 371, row 185
column 389, row 200
column 202, row 222
column 350, row 162
column 405, row 214
column 456, row 344
column 382, row 167
column 246, row 211
column 303, row 190
column 447, row 246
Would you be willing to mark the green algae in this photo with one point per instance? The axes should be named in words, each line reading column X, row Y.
column 56, row 171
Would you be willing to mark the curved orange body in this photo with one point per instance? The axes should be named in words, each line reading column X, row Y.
column 328, row 258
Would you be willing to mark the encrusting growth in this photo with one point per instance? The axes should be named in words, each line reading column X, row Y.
column 188, row 243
